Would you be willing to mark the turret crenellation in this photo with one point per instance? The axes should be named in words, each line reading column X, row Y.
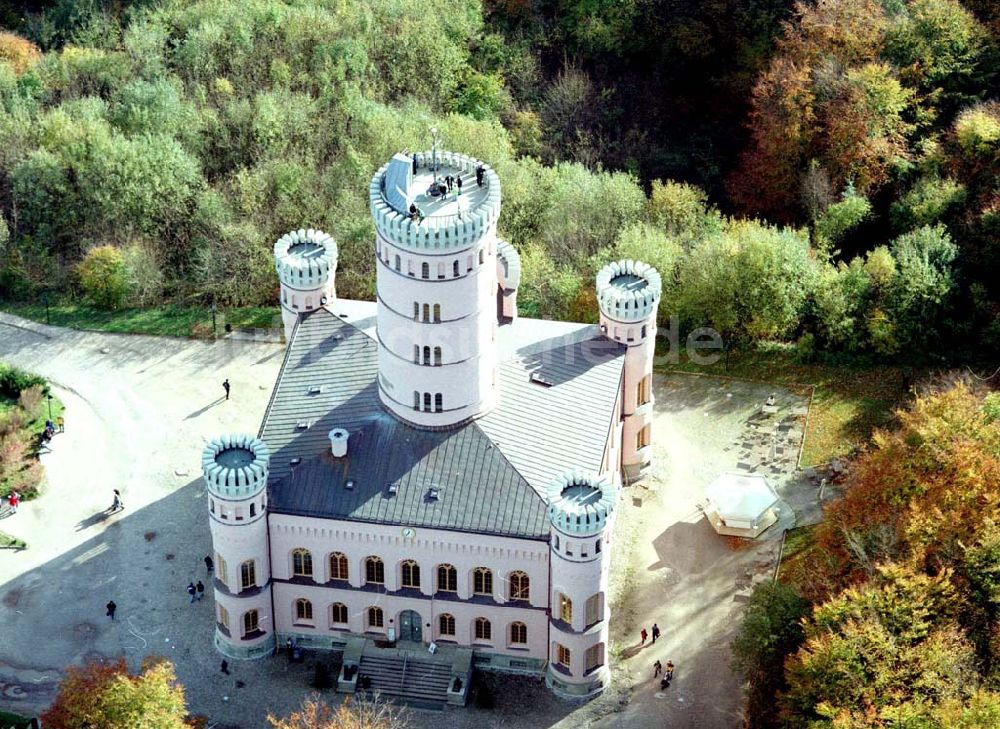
column 628, row 291
column 235, row 466
column 580, row 503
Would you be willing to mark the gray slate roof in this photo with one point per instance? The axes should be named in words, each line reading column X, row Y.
column 490, row 474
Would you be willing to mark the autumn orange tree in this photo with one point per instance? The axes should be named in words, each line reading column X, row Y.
column 357, row 712
column 109, row 696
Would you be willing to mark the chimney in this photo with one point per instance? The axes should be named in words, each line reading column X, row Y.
column 338, row 442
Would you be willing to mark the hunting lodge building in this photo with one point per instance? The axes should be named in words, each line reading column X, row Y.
column 435, row 479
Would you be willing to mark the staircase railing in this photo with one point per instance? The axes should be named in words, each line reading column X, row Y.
column 402, row 680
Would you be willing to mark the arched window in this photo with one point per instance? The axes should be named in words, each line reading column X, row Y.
column 416, row 354
column 518, row 634
column 253, row 509
column 482, row 581
column 447, row 578
column 398, row 265
column 223, row 617
column 374, row 571
column 416, row 310
column 519, row 586
column 338, row 566
column 302, row 563
column 446, row 625
column 425, row 270
column 376, row 619
column 303, row 609
column 251, row 622
column 440, row 270
column 454, row 268
column 338, row 613
column 438, row 402
column 410, row 574
column 565, row 609
column 437, row 356
column 427, row 312
column 248, row 575
column 468, row 263
column 484, row 630
column 309, row 303
column 221, row 569
column 211, row 506
column 427, row 355
column 562, row 655
column 427, row 401
column 416, row 395
column 482, row 258
column 437, row 312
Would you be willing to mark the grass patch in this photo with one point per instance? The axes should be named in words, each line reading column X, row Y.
column 174, row 321
column 9, row 542
column 849, row 401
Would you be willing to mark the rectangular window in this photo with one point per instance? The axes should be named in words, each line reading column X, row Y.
column 223, row 617
column 221, row 571
column 642, row 391
column 642, row 438
column 593, row 609
column 594, row 657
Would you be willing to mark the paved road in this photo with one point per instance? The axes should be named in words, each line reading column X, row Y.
column 138, row 410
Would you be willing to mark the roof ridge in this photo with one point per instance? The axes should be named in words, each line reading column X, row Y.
column 503, row 455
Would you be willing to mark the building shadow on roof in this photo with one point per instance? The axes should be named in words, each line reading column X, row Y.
column 564, row 360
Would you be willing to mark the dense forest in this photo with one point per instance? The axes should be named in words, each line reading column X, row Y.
column 825, row 173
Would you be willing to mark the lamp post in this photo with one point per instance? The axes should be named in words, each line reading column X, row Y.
column 49, row 398
column 434, row 150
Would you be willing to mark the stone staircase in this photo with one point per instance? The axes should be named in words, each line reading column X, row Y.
column 416, row 682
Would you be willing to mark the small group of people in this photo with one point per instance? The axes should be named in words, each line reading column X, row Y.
column 666, row 674
column 415, row 215
column 643, row 634
column 197, row 592
column 442, row 186
column 59, row 426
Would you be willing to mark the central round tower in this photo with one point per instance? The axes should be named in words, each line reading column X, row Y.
column 436, row 249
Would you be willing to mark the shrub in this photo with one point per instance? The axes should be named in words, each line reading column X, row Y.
column 21, row 54
column 104, row 277
column 14, row 381
column 30, row 400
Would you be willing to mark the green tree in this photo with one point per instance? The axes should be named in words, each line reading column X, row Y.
column 104, row 277
column 771, row 630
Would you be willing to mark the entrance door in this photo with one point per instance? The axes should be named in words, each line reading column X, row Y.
column 410, row 626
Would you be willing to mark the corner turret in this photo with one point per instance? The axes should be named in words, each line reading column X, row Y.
column 581, row 510
column 306, row 262
column 235, row 470
column 628, row 294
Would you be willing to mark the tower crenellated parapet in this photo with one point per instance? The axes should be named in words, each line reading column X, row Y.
column 581, row 513
column 306, row 262
column 235, row 471
column 509, row 278
column 437, row 283
column 628, row 294
column 442, row 229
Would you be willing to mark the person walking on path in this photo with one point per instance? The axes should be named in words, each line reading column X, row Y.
column 117, row 504
column 656, row 632
column 657, row 668
column 643, row 634
column 111, row 609
column 458, row 183
column 61, row 424
column 201, row 590
column 224, row 667
column 208, row 564
column 193, row 592
column 669, row 673
column 13, row 500
column 225, row 386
